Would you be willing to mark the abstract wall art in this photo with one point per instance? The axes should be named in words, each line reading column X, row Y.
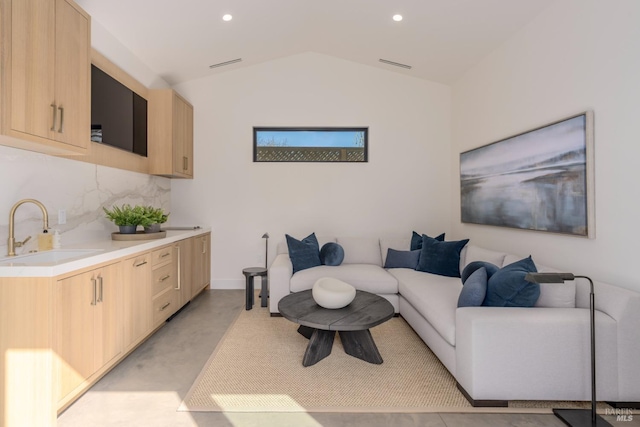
column 539, row 180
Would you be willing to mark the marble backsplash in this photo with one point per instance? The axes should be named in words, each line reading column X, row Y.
column 81, row 189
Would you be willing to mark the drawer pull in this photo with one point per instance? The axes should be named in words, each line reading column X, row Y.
column 165, row 254
column 55, row 110
column 141, row 264
column 179, row 267
column 165, row 306
column 94, row 301
column 101, row 288
column 61, row 128
column 162, row 279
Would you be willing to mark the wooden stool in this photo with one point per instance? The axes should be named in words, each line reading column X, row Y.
column 249, row 274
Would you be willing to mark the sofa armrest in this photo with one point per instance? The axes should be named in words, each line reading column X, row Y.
column 279, row 274
column 534, row 353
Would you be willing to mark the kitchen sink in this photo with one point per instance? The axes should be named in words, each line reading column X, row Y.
column 53, row 257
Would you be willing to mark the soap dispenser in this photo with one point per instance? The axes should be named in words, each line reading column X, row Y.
column 56, row 239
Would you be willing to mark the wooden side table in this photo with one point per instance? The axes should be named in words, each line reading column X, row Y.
column 249, row 274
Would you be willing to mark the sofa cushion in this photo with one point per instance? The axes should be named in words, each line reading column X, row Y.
column 361, row 250
column 434, row 297
column 331, row 254
column 441, row 258
column 552, row 295
column 490, row 269
column 508, row 287
column 399, row 244
column 474, row 289
column 416, row 240
column 282, row 247
column 476, row 253
column 365, row 277
column 402, row 259
column 303, row 253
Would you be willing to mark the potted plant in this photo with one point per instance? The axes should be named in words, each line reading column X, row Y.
column 127, row 218
column 155, row 217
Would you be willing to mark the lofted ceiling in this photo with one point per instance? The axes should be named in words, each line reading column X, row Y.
column 439, row 39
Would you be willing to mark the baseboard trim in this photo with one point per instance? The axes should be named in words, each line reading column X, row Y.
column 482, row 403
column 276, row 315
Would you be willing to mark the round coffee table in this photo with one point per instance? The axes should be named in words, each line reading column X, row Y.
column 353, row 322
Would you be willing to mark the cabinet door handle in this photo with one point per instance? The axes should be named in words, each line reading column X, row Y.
column 55, row 116
column 185, row 163
column 95, row 292
column 61, row 128
column 162, row 279
column 179, row 266
column 165, row 254
column 204, row 245
column 165, row 306
column 101, row 288
column 141, row 264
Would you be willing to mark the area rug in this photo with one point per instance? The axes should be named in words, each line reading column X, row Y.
column 257, row 367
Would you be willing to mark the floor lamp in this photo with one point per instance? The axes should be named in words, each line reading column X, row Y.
column 266, row 249
column 577, row 417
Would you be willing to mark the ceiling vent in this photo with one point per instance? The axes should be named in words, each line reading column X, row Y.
column 222, row 64
column 395, row 64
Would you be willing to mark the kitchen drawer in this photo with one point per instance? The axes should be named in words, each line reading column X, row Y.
column 164, row 305
column 162, row 278
column 162, row 255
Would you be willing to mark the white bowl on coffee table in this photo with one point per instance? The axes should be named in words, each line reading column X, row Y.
column 332, row 293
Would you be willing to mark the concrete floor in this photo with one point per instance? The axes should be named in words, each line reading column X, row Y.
column 146, row 388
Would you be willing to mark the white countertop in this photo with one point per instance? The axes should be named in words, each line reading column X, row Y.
column 105, row 250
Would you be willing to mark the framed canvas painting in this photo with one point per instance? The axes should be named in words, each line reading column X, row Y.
column 539, row 180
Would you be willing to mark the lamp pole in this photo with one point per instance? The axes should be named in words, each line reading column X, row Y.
column 577, row 417
column 265, row 236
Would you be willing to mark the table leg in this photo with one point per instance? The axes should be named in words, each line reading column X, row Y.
column 264, row 293
column 249, row 293
column 306, row 331
column 360, row 344
column 319, row 347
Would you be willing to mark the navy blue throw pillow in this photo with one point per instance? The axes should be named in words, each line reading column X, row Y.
column 416, row 240
column 474, row 289
column 303, row 253
column 441, row 258
column 508, row 288
column 331, row 254
column 402, row 259
column 475, row 265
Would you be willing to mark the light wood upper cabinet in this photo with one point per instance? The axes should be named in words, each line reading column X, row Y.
column 89, row 324
column 45, row 76
column 170, row 143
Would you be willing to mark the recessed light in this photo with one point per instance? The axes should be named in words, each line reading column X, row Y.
column 397, row 18
column 227, row 17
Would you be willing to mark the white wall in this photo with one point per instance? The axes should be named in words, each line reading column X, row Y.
column 79, row 188
column 404, row 186
column 577, row 55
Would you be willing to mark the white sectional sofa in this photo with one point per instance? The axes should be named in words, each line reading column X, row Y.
column 496, row 354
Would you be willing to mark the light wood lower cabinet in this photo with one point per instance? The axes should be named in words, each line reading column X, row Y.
column 201, row 263
column 137, row 298
column 59, row 335
column 164, row 284
column 89, row 325
column 185, row 270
